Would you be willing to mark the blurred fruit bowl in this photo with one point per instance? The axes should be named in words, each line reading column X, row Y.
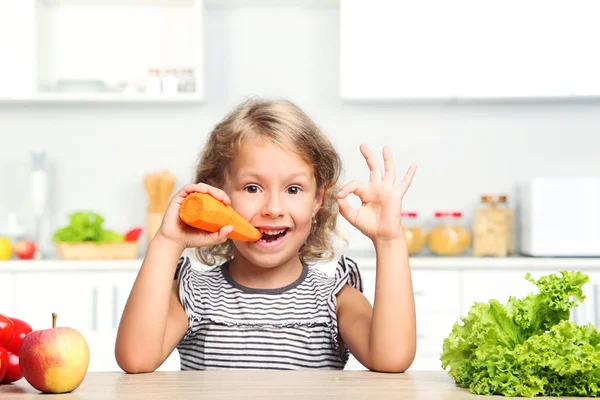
column 95, row 251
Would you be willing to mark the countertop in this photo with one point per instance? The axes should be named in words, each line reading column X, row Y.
column 365, row 262
column 237, row 384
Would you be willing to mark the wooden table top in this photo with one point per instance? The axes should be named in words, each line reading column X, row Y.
column 236, row 384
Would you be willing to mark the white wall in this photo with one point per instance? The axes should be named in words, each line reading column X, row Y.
column 99, row 153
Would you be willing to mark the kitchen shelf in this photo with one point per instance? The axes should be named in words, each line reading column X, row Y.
column 91, row 98
column 482, row 263
column 364, row 262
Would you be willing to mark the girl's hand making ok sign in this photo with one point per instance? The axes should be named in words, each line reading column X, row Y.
column 379, row 214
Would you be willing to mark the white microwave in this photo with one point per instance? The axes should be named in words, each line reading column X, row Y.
column 559, row 217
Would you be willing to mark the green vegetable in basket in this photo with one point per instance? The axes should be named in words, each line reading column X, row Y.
column 86, row 227
column 527, row 347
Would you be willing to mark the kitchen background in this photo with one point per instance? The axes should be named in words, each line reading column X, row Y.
column 97, row 154
column 364, row 71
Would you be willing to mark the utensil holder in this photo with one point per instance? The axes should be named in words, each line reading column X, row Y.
column 154, row 221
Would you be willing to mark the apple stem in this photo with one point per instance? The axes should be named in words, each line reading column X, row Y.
column 54, row 315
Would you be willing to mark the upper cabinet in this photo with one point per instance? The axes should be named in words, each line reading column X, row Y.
column 101, row 50
column 470, row 49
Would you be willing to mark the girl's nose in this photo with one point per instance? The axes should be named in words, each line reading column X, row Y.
column 273, row 206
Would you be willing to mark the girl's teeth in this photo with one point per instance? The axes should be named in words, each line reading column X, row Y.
column 273, row 232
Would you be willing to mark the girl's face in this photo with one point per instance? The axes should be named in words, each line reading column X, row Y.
column 276, row 191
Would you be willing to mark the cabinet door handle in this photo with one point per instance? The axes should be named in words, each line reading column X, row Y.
column 596, row 306
column 115, row 297
column 94, row 312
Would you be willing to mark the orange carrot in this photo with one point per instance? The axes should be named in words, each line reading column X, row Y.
column 203, row 211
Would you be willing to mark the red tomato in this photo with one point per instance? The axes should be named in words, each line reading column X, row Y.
column 133, row 235
column 7, row 330
column 13, row 369
column 22, row 328
column 3, row 362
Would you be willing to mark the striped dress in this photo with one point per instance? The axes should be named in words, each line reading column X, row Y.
column 235, row 327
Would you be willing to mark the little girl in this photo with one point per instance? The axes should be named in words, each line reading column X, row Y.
column 264, row 306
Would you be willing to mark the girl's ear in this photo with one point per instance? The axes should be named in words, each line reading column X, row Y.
column 319, row 199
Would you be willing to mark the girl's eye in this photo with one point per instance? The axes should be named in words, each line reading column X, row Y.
column 294, row 190
column 251, row 189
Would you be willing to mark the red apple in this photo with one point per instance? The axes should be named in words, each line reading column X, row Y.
column 24, row 249
column 54, row 360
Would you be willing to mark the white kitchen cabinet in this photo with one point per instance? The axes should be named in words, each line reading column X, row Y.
column 90, row 301
column 76, row 298
column 6, row 293
column 396, row 49
column 586, row 63
column 17, row 45
column 589, row 310
column 90, row 296
column 468, row 49
column 91, row 50
column 437, row 302
column 120, row 284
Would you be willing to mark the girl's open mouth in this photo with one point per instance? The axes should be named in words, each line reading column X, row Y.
column 272, row 239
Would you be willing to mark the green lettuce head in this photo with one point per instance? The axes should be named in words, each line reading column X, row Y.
column 527, row 347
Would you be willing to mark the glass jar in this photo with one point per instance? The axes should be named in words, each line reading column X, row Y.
column 413, row 232
column 448, row 237
column 170, row 81
column 493, row 227
column 153, row 82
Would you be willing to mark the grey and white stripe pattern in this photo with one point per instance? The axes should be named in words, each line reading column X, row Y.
column 235, row 327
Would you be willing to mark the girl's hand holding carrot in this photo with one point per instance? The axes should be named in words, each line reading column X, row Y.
column 203, row 211
column 178, row 232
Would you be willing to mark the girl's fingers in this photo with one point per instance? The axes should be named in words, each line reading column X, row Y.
column 192, row 188
column 204, row 188
column 219, row 237
column 407, row 180
column 352, row 187
column 219, row 194
column 389, row 175
column 372, row 163
column 224, row 233
column 346, row 210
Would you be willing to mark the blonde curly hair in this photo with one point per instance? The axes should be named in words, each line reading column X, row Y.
column 283, row 123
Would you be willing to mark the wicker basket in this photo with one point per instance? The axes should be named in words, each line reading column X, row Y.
column 93, row 251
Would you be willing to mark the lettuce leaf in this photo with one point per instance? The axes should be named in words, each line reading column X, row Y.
column 527, row 347
column 86, row 227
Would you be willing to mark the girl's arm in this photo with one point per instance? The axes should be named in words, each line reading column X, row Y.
column 154, row 321
column 382, row 338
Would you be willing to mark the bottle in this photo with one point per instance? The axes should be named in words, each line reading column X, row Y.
column 413, row 232
column 39, row 196
column 448, row 237
column 14, row 229
column 493, row 227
